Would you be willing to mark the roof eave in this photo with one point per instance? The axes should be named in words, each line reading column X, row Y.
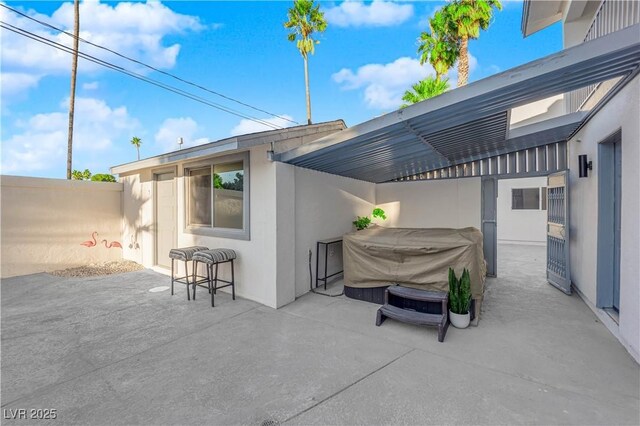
column 528, row 26
column 228, row 145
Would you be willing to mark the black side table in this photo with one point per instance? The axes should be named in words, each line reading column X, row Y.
column 326, row 244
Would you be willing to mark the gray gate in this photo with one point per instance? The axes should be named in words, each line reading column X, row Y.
column 489, row 221
column 558, row 232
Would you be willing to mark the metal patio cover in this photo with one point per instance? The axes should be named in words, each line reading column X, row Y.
column 472, row 122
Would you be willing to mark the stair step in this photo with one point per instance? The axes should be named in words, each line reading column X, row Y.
column 412, row 317
column 416, row 294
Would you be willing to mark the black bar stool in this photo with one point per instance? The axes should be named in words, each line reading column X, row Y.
column 213, row 258
column 184, row 254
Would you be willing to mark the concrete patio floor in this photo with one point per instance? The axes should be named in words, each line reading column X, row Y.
column 107, row 351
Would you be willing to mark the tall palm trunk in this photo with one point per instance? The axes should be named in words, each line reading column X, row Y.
column 463, row 62
column 138, row 148
column 72, row 97
column 306, row 84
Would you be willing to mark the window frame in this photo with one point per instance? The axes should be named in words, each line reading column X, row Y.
column 213, row 231
column 538, row 189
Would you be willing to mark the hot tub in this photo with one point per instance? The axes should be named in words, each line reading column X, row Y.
column 377, row 257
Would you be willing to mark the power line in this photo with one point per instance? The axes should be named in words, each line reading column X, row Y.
column 46, row 24
column 141, row 77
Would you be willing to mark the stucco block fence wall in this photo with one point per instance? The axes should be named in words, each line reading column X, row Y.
column 44, row 222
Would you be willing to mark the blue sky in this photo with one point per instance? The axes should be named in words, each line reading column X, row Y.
column 365, row 61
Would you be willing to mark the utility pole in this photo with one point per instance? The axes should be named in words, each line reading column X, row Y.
column 74, row 72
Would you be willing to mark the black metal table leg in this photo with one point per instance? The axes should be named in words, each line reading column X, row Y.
column 326, row 259
column 317, row 262
column 186, row 276
column 233, row 283
column 213, row 292
column 215, row 279
column 172, row 276
column 195, row 266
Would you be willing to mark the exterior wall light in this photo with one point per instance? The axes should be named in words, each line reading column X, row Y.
column 584, row 165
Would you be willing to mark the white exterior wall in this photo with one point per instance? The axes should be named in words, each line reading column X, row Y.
column 535, row 112
column 259, row 266
column 325, row 207
column 577, row 20
column 446, row 203
column 621, row 112
column 520, row 226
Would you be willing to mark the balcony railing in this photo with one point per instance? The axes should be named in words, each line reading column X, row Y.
column 612, row 15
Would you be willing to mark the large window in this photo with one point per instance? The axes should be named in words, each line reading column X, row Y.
column 217, row 200
column 529, row 198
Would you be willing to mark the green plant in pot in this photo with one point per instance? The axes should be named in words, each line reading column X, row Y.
column 363, row 222
column 459, row 298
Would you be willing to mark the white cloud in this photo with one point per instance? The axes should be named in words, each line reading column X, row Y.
column 181, row 127
column 43, row 139
column 379, row 13
column 494, row 69
column 90, row 86
column 246, row 126
column 16, row 82
column 384, row 84
column 133, row 29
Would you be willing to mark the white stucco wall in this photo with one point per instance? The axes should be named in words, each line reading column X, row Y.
column 577, row 18
column 286, row 228
column 447, row 203
column 137, row 221
column 325, row 207
column 535, row 112
column 621, row 112
column 520, row 226
column 44, row 222
column 257, row 266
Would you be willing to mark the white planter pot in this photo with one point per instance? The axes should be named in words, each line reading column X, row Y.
column 459, row 320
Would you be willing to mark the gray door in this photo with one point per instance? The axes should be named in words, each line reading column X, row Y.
column 609, row 207
column 165, row 217
column 558, row 231
column 617, row 198
column 489, row 218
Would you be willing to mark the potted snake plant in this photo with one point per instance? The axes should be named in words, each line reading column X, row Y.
column 459, row 298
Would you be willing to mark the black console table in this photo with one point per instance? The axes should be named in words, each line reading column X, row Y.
column 326, row 244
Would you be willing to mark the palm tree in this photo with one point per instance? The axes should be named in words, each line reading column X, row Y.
column 437, row 46
column 305, row 18
column 428, row 88
column 136, row 141
column 465, row 20
column 72, row 96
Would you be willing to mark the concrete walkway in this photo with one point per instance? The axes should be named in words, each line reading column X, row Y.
column 107, row 351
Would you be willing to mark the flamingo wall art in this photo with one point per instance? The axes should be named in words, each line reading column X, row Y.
column 112, row 244
column 93, row 242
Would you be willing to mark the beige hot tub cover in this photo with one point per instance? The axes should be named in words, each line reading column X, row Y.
column 418, row 258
